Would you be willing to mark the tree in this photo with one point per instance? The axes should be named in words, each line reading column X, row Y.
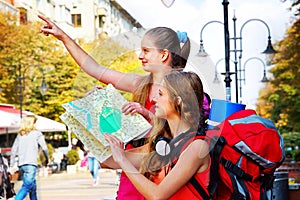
column 112, row 55
column 291, row 139
column 296, row 5
column 22, row 45
column 282, row 97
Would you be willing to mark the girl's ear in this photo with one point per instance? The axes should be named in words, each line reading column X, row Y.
column 178, row 100
column 165, row 55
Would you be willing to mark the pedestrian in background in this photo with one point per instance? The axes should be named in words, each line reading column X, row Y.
column 57, row 158
column 81, row 158
column 93, row 166
column 26, row 147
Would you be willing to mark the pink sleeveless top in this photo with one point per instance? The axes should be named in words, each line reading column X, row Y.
column 126, row 190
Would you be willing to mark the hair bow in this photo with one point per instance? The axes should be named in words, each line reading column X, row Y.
column 182, row 36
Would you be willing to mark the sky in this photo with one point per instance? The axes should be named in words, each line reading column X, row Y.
column 191, row 15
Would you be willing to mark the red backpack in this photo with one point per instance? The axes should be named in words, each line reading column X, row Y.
column 246, row 149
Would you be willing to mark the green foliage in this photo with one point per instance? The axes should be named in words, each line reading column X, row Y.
column 296, row 155
column 50, row 151
column 291, row 139
column 288, row 154
column 293, row 154
column 41, row 155
column 112, row 55
column 23, row 46
column 72, row 156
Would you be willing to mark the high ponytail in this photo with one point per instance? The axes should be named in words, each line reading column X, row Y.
column 185, row 52
column 177, row 43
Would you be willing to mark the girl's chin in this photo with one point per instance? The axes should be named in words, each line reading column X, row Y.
column 159, row 115
column 146, row 68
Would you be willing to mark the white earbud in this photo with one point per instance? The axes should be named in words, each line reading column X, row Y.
column 162, row 147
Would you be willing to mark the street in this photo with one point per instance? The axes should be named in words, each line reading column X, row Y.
column 75, row 186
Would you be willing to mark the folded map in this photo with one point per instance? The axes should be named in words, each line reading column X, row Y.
column 99, row 113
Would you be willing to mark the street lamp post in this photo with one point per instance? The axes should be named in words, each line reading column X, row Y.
column 237, row 59
column 227, row 52
column 268, row 50
column 243, row 75
column 20, row 80
column 202, row 52
column 227, row 80
column 216, row 79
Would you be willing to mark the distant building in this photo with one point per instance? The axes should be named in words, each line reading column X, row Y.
column 82, row 19
column 8, row 6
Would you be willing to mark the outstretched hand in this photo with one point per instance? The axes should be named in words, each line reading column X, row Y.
column 51, row 28
column 117, row 147
column 134, row 107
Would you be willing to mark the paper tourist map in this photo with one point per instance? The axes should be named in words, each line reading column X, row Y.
column 88, row 139
column 99, row 113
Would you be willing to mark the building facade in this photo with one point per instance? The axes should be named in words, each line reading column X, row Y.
column 7, row 6
column 82, row 19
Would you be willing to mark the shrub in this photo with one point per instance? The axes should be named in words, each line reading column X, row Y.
column 41, row 156
column 296, row 155
column 288, row 154
column 72, row 156
column 50, row 151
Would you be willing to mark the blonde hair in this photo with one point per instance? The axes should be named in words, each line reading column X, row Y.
column 27, row 124
column 187, row 86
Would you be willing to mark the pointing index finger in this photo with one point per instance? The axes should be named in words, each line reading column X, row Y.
column 45, row 19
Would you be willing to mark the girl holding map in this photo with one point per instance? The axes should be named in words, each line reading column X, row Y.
column 166, row 172
column 162, row 50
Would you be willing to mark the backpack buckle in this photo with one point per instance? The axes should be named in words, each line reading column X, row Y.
column 267, row 180
column 227, row 163
column 221, row 140
column 235, row 169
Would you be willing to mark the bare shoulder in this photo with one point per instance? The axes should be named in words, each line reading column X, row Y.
column 199, row 146
column 134, row 80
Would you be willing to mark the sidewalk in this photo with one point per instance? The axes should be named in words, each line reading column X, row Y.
column 63, row 186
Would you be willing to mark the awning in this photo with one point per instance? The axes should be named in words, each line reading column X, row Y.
column 10, row 121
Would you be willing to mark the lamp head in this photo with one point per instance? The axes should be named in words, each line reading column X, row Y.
column 269, row 49
column 264, row 79
column 216, row 80
column 202, row 52
column 43, row 87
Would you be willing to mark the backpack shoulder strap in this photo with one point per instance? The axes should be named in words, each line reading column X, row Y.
column 202, row 192
column 215, row 152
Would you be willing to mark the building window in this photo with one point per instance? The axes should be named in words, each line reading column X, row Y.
column 102, row 19
column 23, row 15
column 76, row 20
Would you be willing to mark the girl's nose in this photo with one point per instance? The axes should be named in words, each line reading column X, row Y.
column 141, row 55
column 154, row 99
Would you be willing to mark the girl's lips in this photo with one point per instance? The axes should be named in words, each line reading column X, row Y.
column 144, row 63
